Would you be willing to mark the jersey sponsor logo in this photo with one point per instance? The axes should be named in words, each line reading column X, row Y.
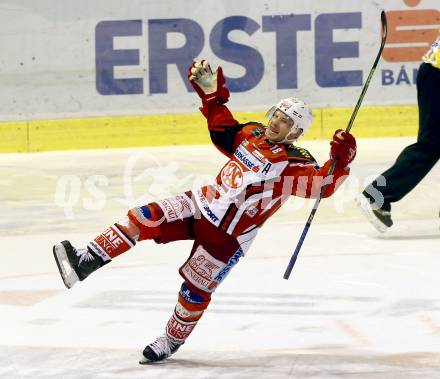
column 231, row 263
column 201, row 269
column 210, row 214
column 241, row 156
column 203, row 266
column 258, row 155
column 251, row 212
column 176, row 208
column 190, row 296
column 206, row 208
column 232, row 175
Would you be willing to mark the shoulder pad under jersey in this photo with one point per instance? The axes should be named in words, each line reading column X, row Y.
column 299, row 154
column 253, row 128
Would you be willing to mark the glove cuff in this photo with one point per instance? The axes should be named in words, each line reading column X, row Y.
column 221, row 96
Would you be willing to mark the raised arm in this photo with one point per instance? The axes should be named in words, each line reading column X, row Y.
column 210, row 86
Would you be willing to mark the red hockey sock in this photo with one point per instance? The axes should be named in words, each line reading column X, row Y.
column 111, row 242
column 188, row 311
column 178, row 329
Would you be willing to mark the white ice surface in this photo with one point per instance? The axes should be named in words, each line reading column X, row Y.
column 358, row 304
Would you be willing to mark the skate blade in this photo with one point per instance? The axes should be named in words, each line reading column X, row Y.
column 366, row 210
column 67, row 273
column 145, row 361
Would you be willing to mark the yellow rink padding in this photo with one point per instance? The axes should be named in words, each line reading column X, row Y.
column 13, row 137
column 372, row 122
column 184, row 129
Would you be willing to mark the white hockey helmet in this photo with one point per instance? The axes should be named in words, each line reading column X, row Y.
column 297, row 111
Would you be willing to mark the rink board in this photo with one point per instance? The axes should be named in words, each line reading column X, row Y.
column 74, row 60
column 184, row 129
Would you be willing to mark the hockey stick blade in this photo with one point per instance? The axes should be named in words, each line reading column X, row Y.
column 294, row 257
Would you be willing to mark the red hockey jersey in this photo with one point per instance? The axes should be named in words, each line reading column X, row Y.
column 259, row 176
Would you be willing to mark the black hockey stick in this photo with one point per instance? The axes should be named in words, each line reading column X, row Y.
column 292, row 261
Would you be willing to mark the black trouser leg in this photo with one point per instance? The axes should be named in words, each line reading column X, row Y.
column 416, row 160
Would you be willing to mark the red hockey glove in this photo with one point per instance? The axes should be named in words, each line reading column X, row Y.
column 209, row 85
column 343, row 146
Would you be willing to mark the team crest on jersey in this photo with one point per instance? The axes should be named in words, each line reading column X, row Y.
column 232, row 175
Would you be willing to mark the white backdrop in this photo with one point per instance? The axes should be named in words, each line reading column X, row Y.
column 66, row 59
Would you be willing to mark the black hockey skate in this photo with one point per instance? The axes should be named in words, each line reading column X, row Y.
column 75, row 264
column 379, row 218
column 159, row 350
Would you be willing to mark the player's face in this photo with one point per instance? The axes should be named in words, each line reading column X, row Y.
column 279, row 126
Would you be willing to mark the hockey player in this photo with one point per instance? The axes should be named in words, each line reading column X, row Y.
column 416, row 160
column 222, row 218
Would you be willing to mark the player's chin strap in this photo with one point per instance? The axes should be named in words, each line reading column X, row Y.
column 294, row 139
column 289, row 140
